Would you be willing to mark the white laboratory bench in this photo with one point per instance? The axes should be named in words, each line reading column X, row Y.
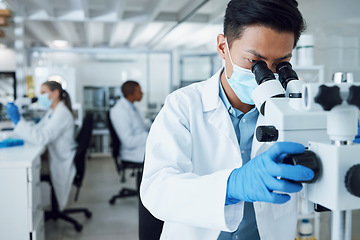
column 21, row 217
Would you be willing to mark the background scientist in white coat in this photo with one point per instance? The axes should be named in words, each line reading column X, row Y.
column 199, row 176
column 56, row 131
column 129, row 123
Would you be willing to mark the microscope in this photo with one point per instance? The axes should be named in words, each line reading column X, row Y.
column 324, row 118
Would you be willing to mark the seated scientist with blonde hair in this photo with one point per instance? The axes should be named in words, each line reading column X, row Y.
column 129, row 123
column 56, row 131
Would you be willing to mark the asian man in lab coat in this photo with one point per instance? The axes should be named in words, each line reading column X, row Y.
column 129, row 123
column 200, row 176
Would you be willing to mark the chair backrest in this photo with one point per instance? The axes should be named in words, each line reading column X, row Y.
column 83, row 140
column 115, row 142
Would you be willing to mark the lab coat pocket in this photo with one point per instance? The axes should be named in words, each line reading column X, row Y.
column 280, row 210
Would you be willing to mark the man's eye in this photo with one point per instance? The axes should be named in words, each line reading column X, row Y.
column 252, row 61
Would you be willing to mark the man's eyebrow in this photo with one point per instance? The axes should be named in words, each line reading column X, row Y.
column 253, row 52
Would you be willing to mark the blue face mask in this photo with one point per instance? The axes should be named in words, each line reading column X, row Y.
column 45, row 101
column 242, row 82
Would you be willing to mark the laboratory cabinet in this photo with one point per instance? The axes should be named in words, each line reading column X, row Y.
column 98, row 100
column 21, row 215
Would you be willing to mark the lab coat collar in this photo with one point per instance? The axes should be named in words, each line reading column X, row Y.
column 124, row 103
column 51, row 111
column 219, row 118
column 130, row 104
column 210, row 96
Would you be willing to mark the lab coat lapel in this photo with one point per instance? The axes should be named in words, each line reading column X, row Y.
column 218, row 115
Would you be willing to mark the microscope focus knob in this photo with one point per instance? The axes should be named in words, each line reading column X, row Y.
column 307, row 159
column 267, row 134
column 352, row 180
column 354, row 96
column 328, row 97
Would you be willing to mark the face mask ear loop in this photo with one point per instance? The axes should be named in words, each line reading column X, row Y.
column 227, row 46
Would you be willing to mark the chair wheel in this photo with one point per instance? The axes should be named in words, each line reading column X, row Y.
column 112, row 201
column 88, row 214
column 78, row 227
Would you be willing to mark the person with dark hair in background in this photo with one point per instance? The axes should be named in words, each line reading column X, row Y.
column 130, row 125
column 56, row 131
column 200, row 175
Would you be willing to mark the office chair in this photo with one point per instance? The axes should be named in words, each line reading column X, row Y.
column 122, row 165
column 83, row 140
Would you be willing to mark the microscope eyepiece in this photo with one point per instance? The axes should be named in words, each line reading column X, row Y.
column 286, row 73
column 262, row 72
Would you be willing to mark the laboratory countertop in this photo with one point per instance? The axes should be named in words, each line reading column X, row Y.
column 20, row 156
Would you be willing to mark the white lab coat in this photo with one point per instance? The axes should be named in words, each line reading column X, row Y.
column 191, row 150
column 132, row 130
column 56, row 130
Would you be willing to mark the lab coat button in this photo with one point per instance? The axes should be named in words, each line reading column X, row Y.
column 242, row 151
column 236, row 237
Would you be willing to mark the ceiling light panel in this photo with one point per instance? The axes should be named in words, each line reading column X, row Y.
column 68, row 31
column 121, row 34
column 207, row 35
column 43, row 30
column 149, row 32
column 178, row 34
column 95, row 33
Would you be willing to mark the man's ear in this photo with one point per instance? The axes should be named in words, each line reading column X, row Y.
column 221, row 45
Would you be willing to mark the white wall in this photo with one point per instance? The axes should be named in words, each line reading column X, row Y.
column 7, row 60
column 152, row 71
column 335, row 25
column 159, row 82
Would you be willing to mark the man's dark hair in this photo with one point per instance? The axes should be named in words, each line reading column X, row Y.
column 128, row 87
column 279, row 15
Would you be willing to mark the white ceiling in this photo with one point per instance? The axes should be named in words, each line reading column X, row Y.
column 154, row 24
column 144, row 24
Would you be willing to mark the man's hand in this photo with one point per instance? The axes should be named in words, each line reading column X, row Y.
column 259, row 178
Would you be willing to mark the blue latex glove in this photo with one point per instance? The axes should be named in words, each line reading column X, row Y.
column 256, row 180
column 11, row 142
column 13, row 112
